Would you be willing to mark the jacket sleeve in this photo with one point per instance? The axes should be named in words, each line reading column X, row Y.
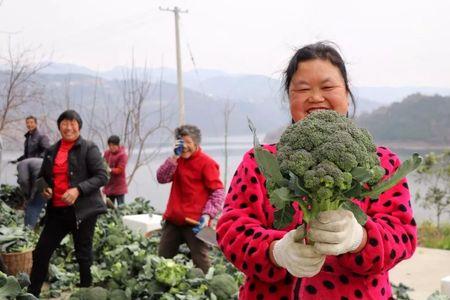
column 391, row 228
column 165, row 172
column 121, row 164
column 96, row 166
column 215, row 203
column 244, row 230
column 44, row 144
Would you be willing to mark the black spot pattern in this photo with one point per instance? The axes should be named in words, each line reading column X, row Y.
column 258, row 268
column 373, row 242
column 253, row 180
column 328, row 284
column 392, row 254
column 243, row 188
column 251, row 250
column 397, row 240
column 387, row 203
column 359, row 260
column 311, row 289
column 328, row 268
column 402, row 208
column 375, row 282
column 257, row 235
column 249, row 232
column 273, row 289
column 358, row 294
column 253, row 198
column 344, row 279
column 404, row 238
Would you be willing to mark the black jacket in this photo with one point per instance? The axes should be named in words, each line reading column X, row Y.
column 35, row 145
column 87, row 172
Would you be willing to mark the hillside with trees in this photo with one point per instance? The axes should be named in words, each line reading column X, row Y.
column 418, row 119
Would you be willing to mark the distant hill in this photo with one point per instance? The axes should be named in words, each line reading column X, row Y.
column 417, row 119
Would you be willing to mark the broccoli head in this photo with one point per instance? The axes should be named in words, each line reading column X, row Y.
column 324, row 148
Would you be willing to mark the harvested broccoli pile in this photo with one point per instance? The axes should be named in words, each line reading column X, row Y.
column 323, row 162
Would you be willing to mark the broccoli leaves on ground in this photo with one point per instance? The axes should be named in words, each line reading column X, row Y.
column 322, row 163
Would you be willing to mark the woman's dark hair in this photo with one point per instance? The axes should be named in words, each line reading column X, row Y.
column 70, row 115
column 114, row 139
column 320, row 50
column 190, row 130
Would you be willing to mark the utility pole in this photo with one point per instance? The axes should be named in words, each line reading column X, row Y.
column 176, row 11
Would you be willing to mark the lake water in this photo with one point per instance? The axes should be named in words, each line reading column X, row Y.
column 145, row 185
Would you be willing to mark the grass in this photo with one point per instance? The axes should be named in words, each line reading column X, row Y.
column 432, row 237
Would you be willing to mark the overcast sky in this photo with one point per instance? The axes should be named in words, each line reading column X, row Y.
column 386, row 43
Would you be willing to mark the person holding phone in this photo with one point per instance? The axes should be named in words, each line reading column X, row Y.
column 197, row 193
column 75, row 171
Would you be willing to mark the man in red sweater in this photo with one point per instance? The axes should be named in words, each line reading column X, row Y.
column 197, row 193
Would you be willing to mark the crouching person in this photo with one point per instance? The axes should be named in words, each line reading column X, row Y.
column 197, row 193
column 74, row 170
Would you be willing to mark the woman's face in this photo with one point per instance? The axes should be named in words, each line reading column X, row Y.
column 70, row 130
column 317, row 84
column 189, row 147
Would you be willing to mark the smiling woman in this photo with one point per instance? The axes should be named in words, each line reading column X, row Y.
column 347, row 260
column 74, row 171
column 316, row 78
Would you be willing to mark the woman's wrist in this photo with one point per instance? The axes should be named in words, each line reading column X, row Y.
column 272, row 258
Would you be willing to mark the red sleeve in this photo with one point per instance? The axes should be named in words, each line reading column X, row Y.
column 391, row 228
column 211, row 176
column 121, row 164
column 243, row 231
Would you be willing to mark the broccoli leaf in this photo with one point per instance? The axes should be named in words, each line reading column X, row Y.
column 361, row 174
column 281, row 197
column 354, row 191
column 360, row 216
column 406, row 167
column 294, row 185
column 267, row 162
column 283, row 217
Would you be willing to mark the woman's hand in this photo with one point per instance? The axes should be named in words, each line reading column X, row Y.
column 336, row 232
column 297, row 258
column 47, row 193
column 70, row 196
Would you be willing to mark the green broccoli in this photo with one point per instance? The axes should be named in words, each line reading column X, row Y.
column 321, row 163
column 223, row 286
column 322, row 151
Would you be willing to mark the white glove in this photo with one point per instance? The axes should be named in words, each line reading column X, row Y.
column 335, row 232
column 299, row 259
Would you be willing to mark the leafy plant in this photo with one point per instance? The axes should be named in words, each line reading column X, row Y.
column 322, row 163
column 400, row 291
column 14, row 288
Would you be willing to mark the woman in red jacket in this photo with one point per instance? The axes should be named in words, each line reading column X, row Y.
column 116, row 157
column 347, row 261
column 197, row 193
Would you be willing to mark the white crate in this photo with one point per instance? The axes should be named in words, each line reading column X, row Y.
column 445, row 286
column 143, row 223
